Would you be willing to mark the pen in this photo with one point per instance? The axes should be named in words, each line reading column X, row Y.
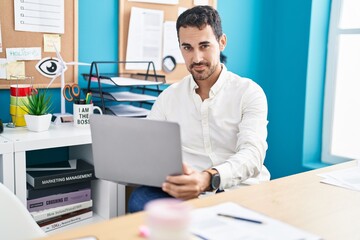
column 240, row 218
column 88, row 98
column 199, row 236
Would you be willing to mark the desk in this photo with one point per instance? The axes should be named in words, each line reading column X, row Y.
column 7, row 164
column 300, row 200
column 106, row 195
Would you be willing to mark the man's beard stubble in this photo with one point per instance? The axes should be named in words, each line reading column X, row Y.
column 204, row 74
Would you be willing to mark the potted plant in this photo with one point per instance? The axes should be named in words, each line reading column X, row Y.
column 38, row 107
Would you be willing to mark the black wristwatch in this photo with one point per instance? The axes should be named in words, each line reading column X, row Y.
column 214, row 179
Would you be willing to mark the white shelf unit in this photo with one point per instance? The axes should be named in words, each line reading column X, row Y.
column 108, row 197
column 108, row 85
column 7, row 164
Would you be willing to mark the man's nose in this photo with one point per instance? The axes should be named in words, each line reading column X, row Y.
column 198, row 56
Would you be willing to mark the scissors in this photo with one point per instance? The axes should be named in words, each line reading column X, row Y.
column 72, row 93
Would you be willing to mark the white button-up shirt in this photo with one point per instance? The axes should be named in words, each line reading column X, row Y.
column 227, row 131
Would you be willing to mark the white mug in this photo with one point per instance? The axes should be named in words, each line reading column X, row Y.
column 82, row 114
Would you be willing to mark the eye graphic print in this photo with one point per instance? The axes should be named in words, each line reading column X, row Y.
column 48, row 67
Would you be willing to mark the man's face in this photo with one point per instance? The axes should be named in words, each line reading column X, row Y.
column 201, row 51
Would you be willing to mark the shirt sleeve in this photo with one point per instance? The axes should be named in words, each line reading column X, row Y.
column 158, row 111
column 251, row 144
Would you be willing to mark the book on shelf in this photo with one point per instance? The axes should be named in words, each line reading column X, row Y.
column 32, row 193
column 66, row 219
column 58, row 200
column 50, row 213
column 44, row 179
column 54, row 166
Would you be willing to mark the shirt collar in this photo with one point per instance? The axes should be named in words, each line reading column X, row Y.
column 193, row 84
column 220, row 82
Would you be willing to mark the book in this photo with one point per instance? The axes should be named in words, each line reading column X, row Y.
column 66, row 219
column 44, row 179
column 57, row 211
column 58, row 200
column 32, row 193
column 54, row 166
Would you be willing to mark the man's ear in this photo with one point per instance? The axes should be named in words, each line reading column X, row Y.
column 222, row 42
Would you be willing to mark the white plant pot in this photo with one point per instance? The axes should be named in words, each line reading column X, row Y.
column 38, row 123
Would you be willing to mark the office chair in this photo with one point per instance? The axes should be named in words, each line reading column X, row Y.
column 16, row 223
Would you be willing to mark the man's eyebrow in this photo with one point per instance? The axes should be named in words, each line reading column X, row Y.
column 200, row 43
column 204, row 42
column 185, row 44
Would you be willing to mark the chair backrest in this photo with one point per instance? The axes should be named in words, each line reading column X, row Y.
column 16, row 223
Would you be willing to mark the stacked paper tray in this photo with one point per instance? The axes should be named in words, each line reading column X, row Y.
column 127, row 111
column 126, row 96
column 126, row 82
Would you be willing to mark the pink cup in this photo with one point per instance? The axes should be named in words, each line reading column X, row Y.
column 21, row 90
column 168, row 218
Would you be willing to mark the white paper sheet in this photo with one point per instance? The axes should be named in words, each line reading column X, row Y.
column 181, row 10
column 172, row 2
column 50, row 40
column 13, row 54
column 347, row 178
column 171, row 43
column 207, row 224
column 3, row 62
column 0, row 39
column 201, row 2
column 15, row 69
column 39, row 16
column 145, row 38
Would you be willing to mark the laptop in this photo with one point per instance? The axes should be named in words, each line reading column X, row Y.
column 135, row 151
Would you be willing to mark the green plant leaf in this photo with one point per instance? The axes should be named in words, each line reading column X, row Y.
column 38, row 103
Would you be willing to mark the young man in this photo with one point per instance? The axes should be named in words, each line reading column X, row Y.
column 223, row 117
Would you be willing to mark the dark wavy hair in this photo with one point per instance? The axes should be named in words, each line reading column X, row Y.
column 199, row 17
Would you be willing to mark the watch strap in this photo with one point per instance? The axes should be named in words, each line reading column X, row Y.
column 212, row 172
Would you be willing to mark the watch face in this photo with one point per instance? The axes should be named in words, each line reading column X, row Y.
column 215, row 181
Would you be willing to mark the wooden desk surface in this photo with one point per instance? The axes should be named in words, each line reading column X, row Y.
column 299, row 200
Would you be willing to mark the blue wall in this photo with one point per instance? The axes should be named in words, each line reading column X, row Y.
column 268, row 41
column 320, row 16
column 284, row 80
column 271, row 47
column 98, row 36
column 242, row 25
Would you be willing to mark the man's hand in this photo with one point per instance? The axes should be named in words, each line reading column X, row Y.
column 187, row 186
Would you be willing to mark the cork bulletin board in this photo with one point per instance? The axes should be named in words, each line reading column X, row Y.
column 22, row 39
column 170, row 14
